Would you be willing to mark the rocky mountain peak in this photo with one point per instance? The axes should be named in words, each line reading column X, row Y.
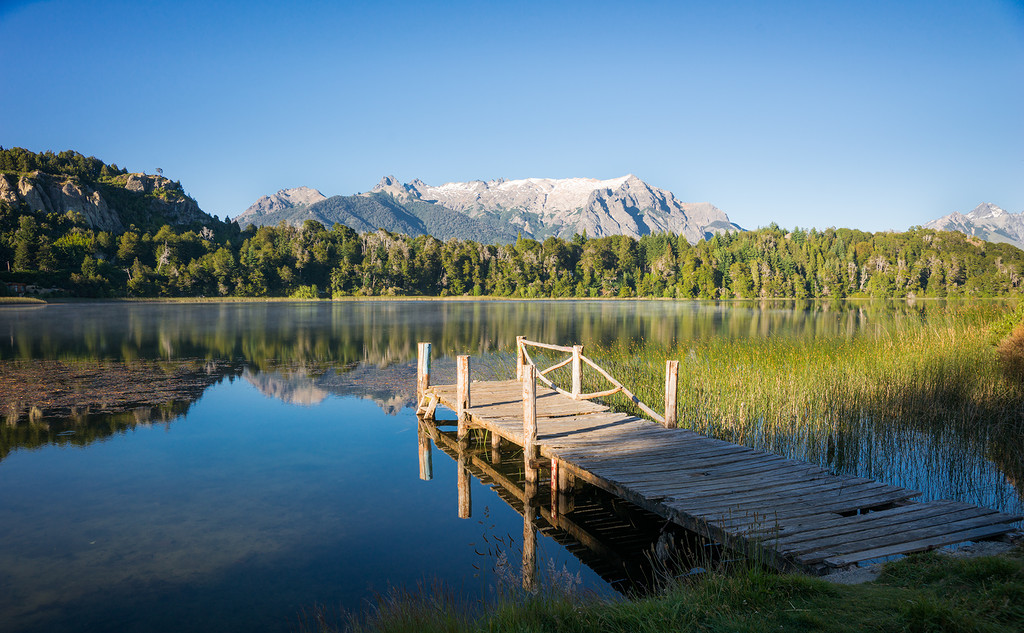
column 386, row 182
column 283, row 200
column 985, row 210
column 391, row 186
column 986, row 221
column 536, row 207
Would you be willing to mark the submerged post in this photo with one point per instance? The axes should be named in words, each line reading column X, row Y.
column 577, row 371
column 422, row 371
column 530, row 423
column 671, row 384
column 465, row 501
column 426, row 458
column 462, row 394
column 554, row 490
column 530, row 537
column 495, row 448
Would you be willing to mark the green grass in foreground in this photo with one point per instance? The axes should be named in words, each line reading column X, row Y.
column 928, row 592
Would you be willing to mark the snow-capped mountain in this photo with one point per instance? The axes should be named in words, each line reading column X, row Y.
column 986, row 221
column 563, row 207
column 498, row 210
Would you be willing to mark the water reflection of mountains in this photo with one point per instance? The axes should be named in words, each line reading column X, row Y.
column 391, row 388
column 77, row 403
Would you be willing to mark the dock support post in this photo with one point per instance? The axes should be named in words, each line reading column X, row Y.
column 462, row 395
column 422, row 370
column 529, row 378
column 520, row 357
column 495, row 448
column 530, row 424
column 577, row 371
column 671, row 389
column 426, row 458
column 465, row 501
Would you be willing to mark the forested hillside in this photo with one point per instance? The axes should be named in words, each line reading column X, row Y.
column 315, row 261
column 62, row 251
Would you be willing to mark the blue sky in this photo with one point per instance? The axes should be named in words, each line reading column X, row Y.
column 872, row 115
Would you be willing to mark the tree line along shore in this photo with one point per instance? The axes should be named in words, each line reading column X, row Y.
column 159, row 244
column 313, row 261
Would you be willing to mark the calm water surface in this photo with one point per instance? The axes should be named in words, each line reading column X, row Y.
column 193, row 467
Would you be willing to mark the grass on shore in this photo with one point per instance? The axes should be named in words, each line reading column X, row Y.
column 929, row 592
column 20, row 300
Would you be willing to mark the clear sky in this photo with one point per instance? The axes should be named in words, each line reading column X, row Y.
column 872, row 115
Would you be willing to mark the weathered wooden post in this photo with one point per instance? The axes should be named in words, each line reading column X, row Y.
column 520, row 357
column 530, row 423
column 577, row 371
column 422, row 371
column 495, row 448
column 465, row 501
column 426, row 457
column 529, row 377
column 671, row 383
column 462, row 395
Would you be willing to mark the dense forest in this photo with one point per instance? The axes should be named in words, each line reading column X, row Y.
column 223, row 260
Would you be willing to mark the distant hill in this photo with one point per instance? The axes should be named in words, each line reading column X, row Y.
column 986, row 221
column 499, row 210
column 103, row 197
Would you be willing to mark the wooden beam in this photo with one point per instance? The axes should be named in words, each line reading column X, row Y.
column 671, row 389
column 422, row 370
column 577, row 371
column 520, row 357
column 530, row 422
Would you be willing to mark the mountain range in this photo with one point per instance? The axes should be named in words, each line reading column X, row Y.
column 986, row 221
column 499, row 210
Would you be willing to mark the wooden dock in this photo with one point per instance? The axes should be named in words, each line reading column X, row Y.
column 793, row 515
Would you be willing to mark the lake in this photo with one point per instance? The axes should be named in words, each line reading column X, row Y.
column 231, row 466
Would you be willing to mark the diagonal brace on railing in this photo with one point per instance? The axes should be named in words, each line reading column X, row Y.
column 523, row 358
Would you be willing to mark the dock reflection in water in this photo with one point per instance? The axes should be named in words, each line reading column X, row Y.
column 630, row 548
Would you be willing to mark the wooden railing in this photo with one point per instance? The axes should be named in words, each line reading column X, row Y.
column 527, row 374
column 578, row 360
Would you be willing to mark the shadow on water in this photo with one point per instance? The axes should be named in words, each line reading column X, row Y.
column 635, row 551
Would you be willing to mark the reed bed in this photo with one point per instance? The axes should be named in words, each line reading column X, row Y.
column 859, row 404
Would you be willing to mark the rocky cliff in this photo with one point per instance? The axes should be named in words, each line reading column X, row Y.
column 109, row 206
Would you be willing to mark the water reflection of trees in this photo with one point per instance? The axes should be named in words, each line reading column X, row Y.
column 383, row 333
column 77, row 403
column 90, row 370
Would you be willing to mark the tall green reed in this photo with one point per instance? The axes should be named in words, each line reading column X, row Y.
column 832, row 399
